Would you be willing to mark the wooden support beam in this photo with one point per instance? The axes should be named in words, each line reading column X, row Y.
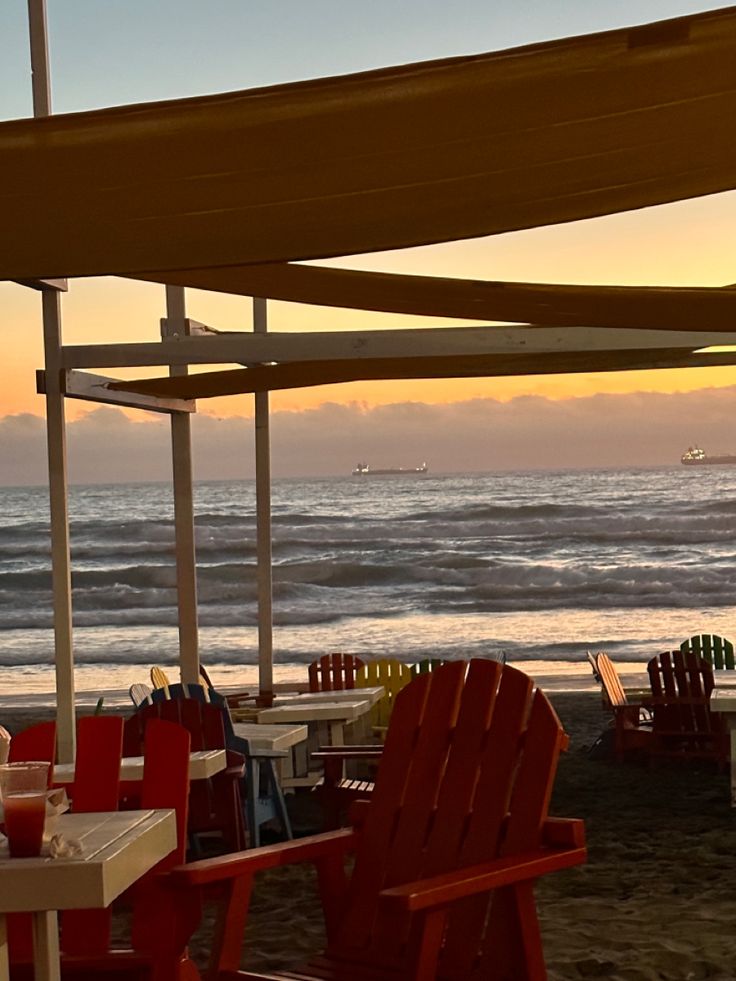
column 305, row 374
column 60, row 285
column 94, row 388
column 261, row 348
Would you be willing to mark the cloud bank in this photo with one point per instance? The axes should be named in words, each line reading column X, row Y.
column 107, row 446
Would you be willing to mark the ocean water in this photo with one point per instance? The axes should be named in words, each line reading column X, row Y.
column 543, row 566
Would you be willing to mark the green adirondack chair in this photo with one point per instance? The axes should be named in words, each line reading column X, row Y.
column 717, row 651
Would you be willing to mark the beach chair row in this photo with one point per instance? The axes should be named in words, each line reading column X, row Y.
column 674, row 719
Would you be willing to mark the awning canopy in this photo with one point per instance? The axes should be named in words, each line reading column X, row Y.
column 662, row 308
column 387, row 159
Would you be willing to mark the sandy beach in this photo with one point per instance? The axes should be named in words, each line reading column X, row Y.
column 655, row 902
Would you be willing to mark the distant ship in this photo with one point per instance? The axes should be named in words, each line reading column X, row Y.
column 695, row 457
column 364, row 470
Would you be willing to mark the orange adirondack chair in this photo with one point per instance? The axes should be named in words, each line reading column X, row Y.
column 448, row 848
column 334, row 672
column 632, row 720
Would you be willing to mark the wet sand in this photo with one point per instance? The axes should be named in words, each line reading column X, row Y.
column 655, row 902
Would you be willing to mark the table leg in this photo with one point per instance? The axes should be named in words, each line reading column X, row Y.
column 4, row 962
column 46, row 946
column 336, row 734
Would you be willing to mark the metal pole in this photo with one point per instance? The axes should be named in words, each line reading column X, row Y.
column 263, row 526
column 181, row 457
column 56, row 436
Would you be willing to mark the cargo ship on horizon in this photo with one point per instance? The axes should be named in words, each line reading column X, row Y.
column 695, row 457
column 364, row 470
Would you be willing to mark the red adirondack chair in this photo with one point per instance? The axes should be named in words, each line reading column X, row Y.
column 157, row 948
column 684, row 726
column 334, row 672
column 215, row 804
column 448, row 848
column 35, row 743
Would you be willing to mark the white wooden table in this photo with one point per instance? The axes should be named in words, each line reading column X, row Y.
column 117, row 849
column 326, row 722
column 723, row 700
column 292, row 768
column 203, row 764
column 333, row 714
column 372, row 694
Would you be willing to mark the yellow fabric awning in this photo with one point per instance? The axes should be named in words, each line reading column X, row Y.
column 398, row 157
column 664, row 308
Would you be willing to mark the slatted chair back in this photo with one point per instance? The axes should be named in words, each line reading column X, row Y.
column 681, row 683
column 139, row 694
column 215, row 804
column 717, row 651
column 465, row 777
column 334, row 672
column 610, row 680
column 392, row 675
column 36, row 742
column 426, row 665
column 159, row 678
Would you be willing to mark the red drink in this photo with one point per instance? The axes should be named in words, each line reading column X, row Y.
column 25, row 815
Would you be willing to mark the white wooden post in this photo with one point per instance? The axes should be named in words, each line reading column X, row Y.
column 263, row 526
column 56, row 435
column 181, row 456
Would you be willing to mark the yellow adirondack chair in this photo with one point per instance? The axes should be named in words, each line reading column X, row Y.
column 392, row 675
column 159, row 678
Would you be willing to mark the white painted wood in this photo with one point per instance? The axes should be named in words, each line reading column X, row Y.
column 337, row 711
column 271, row 737
column 723, row 700
column 373, row 694
column 56, row 434
column 254, row 348
column 93, row 388
column 181, row 452
column 203, row 764
column 263, row 523
column 117, row 849
column 46, row 965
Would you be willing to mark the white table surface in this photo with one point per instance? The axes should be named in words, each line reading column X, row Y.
column 202, row 765
column 341, row 710
column 270, row 737
column 117, row 849
column 372, row 694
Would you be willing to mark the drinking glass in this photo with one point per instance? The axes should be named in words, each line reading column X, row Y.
column 23, row 794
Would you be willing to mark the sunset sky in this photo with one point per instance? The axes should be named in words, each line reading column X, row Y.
column 119, row 52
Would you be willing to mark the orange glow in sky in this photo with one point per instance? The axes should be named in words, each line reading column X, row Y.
column 688, row 243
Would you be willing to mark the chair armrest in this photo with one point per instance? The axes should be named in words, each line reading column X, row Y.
column 348, row 753
column 441, row 890
column 224, row 867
